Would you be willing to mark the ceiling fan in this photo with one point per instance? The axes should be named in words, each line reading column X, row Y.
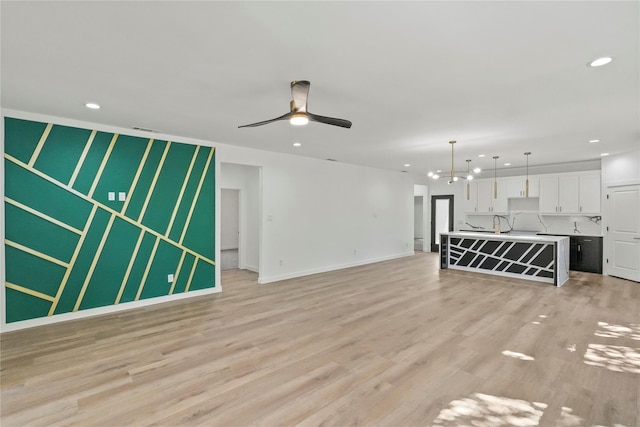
column 299, row 115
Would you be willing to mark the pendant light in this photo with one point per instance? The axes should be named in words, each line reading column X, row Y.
column 452, row 174
column 469, row 178
column 526, row 183
column 495, row 176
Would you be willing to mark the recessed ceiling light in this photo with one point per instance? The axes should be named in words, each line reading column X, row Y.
column 604, row 154
column 92, row 105
column 594, row 141
column 439, row 171
column 507, row 164
column 296, row 144
column 600, row 61
column 430, row 174
column 480, row 155
column 406, row 165
column 477, row 170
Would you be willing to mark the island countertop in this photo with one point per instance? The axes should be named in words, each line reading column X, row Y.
column 506, row 236
column 533, row 257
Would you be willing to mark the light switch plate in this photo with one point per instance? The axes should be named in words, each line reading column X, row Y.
column 122, row 196
column 111, row 196
column 170, row 278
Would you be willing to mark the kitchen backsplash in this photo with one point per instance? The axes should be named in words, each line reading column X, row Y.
column 524, row 216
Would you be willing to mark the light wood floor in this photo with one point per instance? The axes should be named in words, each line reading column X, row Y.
column 399, row 343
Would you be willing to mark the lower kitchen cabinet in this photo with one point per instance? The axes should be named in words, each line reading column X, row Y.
column 586, row 254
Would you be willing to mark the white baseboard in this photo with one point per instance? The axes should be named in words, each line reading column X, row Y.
column 251, row 268
column 277, row 278
column 64, row 317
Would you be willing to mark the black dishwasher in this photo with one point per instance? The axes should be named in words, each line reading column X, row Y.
column 586, row 254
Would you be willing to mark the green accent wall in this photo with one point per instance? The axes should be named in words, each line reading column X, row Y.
column 69, row 248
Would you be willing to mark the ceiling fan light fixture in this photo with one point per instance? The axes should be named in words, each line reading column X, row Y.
column 600, row 61
column 299, row 119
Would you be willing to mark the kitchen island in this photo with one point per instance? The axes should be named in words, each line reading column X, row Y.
column 539, row 258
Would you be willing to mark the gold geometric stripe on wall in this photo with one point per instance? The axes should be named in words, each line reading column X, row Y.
column 74, row 257
column 129, row 267
column 178, row 270
column 184, row 186
column 96, row 257
column 105, row 159
column 195, row 199
column 132, row 188
column 35, row 253
column 28, row 291
column 153, row 183
column 43, row 138
column 83, row 156
column 146, row 271
column 41, row 215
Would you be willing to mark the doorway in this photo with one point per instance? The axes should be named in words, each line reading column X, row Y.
column 418, row 223
column 623, row 208
column 441, row 218
column 230, row 232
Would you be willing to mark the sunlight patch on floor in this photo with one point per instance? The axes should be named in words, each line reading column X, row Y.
column 516, row 355
column 613, row 357
column 569, row 419
column 608, row 330
column 485, row 410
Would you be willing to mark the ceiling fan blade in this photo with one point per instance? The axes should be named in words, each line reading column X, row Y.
column 329, row 120
column 300, row 93
column 283, row 117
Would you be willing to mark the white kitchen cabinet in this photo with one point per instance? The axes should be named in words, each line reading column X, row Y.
column 589, row 191
column 549, row 194
column 570, row 194
column 487, row 203
column 516, row 187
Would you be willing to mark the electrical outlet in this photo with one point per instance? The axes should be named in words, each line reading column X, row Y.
column 111, row 196
column 170, row 278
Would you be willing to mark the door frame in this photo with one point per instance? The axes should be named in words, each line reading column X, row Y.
column 241, row 262
column 609, row 251
column 434, row 247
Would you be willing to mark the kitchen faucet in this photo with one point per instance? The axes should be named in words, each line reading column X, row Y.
column 496, row 224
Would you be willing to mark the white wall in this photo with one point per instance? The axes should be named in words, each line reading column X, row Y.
column 229, row 219
column 247, row 180
column 623, row 169
column 319, row 216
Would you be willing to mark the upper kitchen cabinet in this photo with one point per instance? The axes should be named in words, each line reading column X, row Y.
column 488, row 201
column 590, row 192
column 570, row 194
column 517, row 188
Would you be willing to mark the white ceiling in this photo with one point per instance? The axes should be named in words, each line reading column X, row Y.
column 501, row 78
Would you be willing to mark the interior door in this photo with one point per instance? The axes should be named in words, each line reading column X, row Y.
column 623, row 231
column 441, row 218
